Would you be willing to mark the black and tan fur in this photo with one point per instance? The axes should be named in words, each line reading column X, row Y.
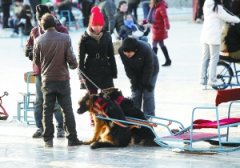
column 143, row 135
column 106, row 133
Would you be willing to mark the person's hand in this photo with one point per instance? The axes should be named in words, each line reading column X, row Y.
column 82, row 84
column 149, row 87
column 29, row 53
column 30, row 57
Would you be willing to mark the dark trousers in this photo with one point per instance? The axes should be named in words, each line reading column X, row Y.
column 6, row 14
column 146, row 8
column 142, row 97
column 38, row 113
column 132, row 8
column 86, row 11
column 60, row 91
column 33, row 4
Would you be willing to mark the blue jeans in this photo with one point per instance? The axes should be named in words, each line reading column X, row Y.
column 60, row 91
column 146, row 98
column 143, row 38
column 146, row 8
column 38, row 113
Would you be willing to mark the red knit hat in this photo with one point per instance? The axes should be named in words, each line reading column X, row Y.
column 97, row 18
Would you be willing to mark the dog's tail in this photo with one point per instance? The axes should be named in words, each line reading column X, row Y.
column 96, row 145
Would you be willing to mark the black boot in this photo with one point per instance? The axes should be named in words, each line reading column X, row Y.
column 168, row 60
column 155, row 49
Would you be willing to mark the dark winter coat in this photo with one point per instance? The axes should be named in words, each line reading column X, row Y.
column 142, row 66
column 118, row 17
column 97, row 61
column 161, row 23
column 231, row 38
column 54, row 54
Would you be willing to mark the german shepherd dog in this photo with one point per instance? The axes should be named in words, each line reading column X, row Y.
column 142, row 135
column 107, row 133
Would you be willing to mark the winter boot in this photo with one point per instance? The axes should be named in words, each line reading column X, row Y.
column 155, row 49
column 168, row 60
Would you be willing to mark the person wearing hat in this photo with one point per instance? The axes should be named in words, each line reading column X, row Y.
column 96, row 56
column 141, row 67
column 34, row 34
column 54, row 54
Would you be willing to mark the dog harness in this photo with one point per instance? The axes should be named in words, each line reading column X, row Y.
column 119, row 100
column 99, row 106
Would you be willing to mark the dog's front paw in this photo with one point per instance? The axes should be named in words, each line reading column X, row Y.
column 94, row 145
column 87, row 142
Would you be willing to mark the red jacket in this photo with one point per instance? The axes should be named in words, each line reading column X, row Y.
column 161, row 23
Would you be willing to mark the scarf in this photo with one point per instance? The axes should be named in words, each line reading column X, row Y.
column 91, row 33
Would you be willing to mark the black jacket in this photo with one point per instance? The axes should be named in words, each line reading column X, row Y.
column 142, row 66
column 231, row 38
column 97, row 61
column 118, row 20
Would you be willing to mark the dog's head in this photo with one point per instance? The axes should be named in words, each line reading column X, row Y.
column 85, row 104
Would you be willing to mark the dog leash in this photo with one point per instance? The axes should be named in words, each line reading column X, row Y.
column 82, row 73
column 102, row 90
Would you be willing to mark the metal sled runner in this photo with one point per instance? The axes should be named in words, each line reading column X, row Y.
column 215, row 132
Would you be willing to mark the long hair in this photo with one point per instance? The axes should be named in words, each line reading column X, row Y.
column 120, row 4
column 153, row 3
column 216, row 3
column 235, row 8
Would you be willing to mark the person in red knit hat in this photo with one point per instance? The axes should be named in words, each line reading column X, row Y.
column 96, row 55
column 96, row 19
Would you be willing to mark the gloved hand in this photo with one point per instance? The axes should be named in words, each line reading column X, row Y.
column 29, row 53
column 148, row 87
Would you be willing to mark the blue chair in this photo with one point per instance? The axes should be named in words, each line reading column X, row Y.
column 67, row 15
column 27, row 104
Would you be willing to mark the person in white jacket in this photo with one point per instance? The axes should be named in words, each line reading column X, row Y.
column 214, row 17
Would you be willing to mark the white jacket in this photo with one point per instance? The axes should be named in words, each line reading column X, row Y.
column 213, row 23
